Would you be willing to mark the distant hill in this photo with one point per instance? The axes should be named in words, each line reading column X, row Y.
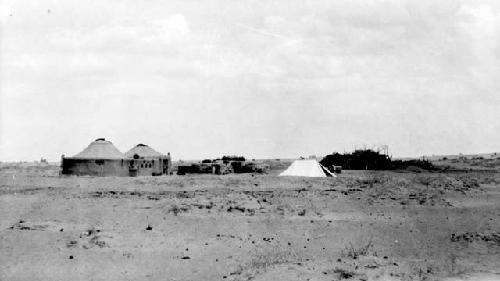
column 491, row 155
column 470, row 162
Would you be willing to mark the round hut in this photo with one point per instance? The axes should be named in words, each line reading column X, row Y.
column 100, row 158
column 147, row 161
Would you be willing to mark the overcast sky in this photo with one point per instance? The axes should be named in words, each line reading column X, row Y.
column 273, row 78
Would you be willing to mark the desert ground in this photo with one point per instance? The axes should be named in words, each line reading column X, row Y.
column 362, row 225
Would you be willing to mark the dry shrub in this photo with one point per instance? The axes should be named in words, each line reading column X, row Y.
column 271, row 259
column 444, row 267
column 175, row 209
column 422, row 272
column 373, row 179
column 343, row 273
column 469, row 182
column 96, row 241
column 425, row 179
column 392, row 187
column 490, row 179
column 455, row 268
column 354, row 252
column 261, row 262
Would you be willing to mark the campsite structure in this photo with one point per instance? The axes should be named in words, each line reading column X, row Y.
column 307, row 168
column 147, row 161
column 102, row 158
column 224, row 165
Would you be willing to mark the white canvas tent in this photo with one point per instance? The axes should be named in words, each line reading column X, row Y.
column 306, row 168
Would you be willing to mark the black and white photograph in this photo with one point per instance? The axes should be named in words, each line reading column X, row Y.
column 244, row 140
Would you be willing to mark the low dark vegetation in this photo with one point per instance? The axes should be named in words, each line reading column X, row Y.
column 233, row 158
column 358, row 160
column 371, row 160
column 414, row 163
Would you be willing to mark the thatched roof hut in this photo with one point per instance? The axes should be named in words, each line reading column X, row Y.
column 143, row 151
column 100, row 149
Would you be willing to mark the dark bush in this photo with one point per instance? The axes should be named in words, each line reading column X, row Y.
column 405, row 164
column 358, row 160
column 233, row 158
column 372, row 160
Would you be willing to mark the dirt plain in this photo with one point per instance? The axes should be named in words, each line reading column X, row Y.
column 362, row 225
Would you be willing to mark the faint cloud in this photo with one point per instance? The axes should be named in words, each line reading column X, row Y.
column 5, row 12
column 483, row 25
column 272, row 21
column 125, row 34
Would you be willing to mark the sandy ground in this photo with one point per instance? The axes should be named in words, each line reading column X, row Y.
column 359, row 226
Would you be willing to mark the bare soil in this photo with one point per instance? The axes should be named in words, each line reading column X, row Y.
column 359, row 226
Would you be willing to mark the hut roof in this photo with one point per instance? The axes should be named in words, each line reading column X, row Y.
column 100, row 149
column 143, row 151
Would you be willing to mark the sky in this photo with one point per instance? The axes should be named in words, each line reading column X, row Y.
column 263, row 79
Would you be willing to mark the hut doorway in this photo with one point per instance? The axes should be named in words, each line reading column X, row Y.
column 165, row 167
column 132, row 169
